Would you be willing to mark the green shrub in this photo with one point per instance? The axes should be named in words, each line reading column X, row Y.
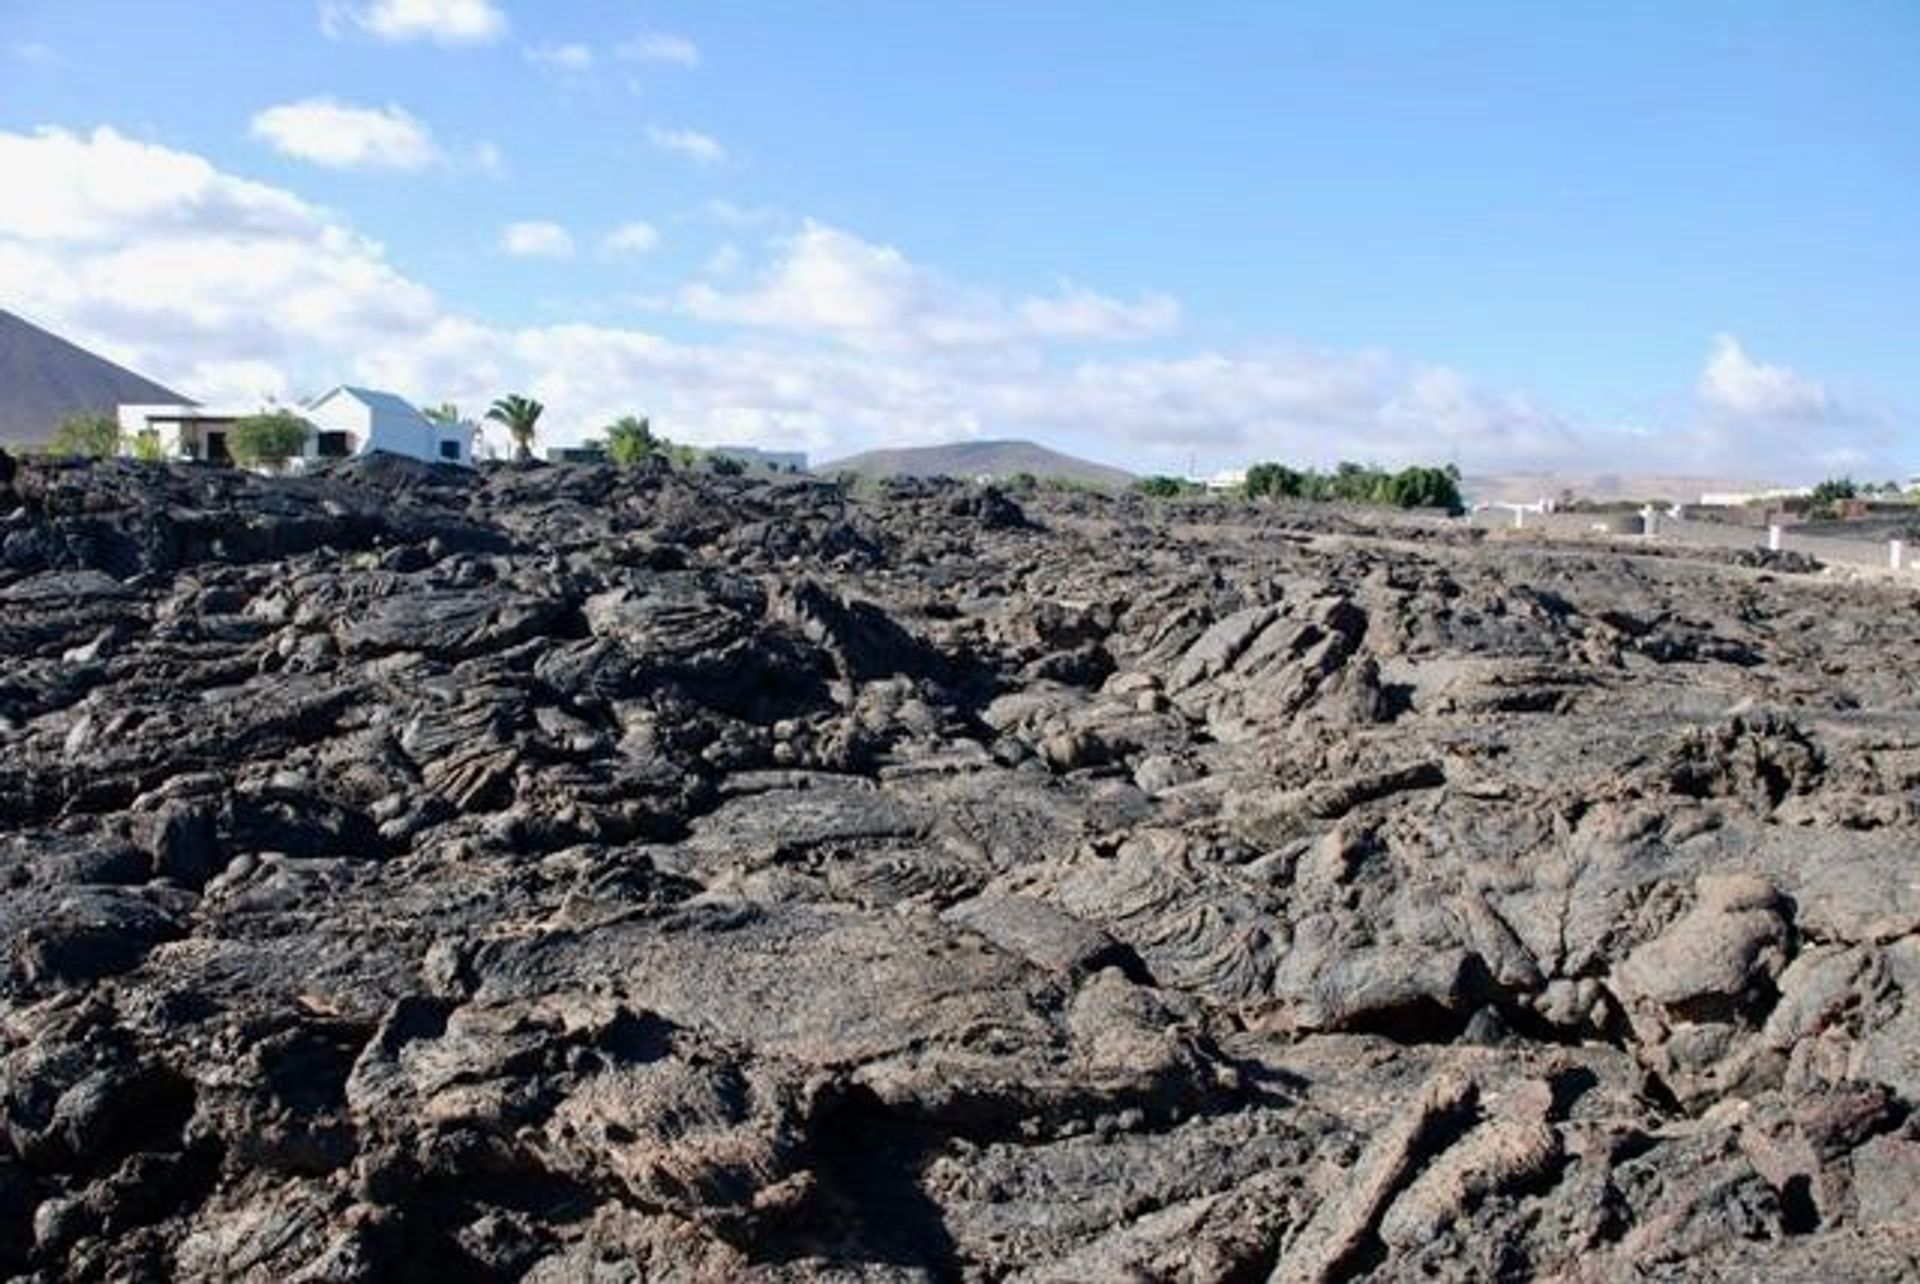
column 1351, row 483
column 269, row 440
column 86, row 437
column 1274, row 480
column 148, row 447
column 1163, row 487
column 1834, row 489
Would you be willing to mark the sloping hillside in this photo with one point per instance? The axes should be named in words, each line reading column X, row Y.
column 979, row 459
column 44, row 378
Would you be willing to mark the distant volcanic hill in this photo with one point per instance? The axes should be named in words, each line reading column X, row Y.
column 979, row 459
column 44, row 379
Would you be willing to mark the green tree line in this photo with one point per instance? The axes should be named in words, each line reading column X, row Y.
column 1348, row 483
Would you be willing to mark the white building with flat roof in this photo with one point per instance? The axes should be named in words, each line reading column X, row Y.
column 346, row 421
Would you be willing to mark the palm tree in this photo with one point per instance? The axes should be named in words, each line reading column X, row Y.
column 444, row 413
column 521, row 415
column 631, row 440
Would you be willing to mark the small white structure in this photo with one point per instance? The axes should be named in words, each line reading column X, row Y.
column 1227, row 479
column 352, row 421
column 347, row 421
column 1542, row 506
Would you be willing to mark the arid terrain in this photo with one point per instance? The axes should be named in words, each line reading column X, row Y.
column 565, row 874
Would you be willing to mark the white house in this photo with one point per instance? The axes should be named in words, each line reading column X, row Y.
column 347, row 421
column 353, row 421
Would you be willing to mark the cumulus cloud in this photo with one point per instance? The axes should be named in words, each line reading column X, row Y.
column 1734, row 383
column 632, row 238
column 447, row 22
column 175, row 267
column 104, row 185
column 1077, row 313
column 661, row 47
column 536, row 239
column 700, row 148
column 342, row 136
column 826, row 279
column 222, row 286
column 1776, row 420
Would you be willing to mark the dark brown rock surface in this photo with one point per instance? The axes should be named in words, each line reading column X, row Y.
column 563, row 874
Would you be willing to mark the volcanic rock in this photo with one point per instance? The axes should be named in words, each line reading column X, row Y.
column 561, row 873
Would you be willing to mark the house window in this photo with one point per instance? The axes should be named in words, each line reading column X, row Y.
column 450, row 450
column 333, row 445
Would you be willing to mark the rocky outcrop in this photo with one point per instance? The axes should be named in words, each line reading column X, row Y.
column 553, row 873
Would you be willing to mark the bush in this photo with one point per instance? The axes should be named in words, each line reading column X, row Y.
column 1834, row 489
column 148, row 448
column 1274, row 480
column 725, row 466
column 1351, row 483
column 86, row 437
column 1161, row 487
column 1425, row 488
column 269, row 440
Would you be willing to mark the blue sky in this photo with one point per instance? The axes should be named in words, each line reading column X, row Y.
column 1515, row 235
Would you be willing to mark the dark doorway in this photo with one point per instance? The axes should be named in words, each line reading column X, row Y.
column 333, row 445
column 217, row 448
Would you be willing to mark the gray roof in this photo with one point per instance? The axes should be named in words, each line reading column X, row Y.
column 43, row 379
column 374, row 400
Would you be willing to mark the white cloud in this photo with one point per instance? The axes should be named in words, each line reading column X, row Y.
column 690, row 143
column 342, row 136
column 1734, row 383
column 77, row 187
column 632, row 238
column 1076, row 313
column 242, row 381
column 574, row 59
column 218, row 285
column 447, row 22
column 828, row 280
column 179, row 269
column 825, row 280
column 661, row 47
column 536, row 239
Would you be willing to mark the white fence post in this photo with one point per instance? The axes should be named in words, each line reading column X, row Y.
column 1519, row 518
column 1649, row 521
column 1774, row 534
column 1897, row 554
